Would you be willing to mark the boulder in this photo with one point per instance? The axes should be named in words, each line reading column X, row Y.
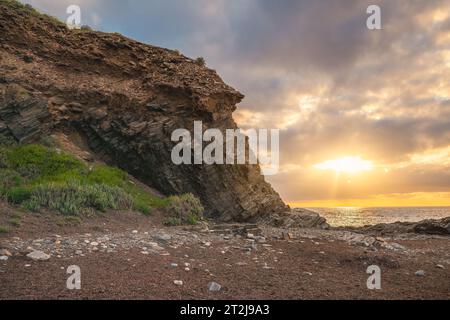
column 299, row 218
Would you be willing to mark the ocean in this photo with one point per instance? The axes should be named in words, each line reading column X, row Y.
column 356, row 217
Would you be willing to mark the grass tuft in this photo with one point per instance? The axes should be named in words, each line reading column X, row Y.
column 4, row 229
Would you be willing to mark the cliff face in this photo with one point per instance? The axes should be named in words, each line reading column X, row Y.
column 125, row 98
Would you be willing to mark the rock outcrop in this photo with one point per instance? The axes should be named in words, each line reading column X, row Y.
column 299, row 218
column 427, row 227
column 125, row 98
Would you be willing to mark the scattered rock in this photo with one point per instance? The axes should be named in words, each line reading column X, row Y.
column 214, row 287
column 174, row 265
column 162, row 237
column 267, row 267
column 4, row 252
column 3, row 258
column 134, row 232
column 178, row 282
column 440, row 266
column 38, row 256
column 420, row 273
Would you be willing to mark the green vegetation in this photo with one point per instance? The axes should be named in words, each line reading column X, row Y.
column 27, row 8
column 15, row 222
column 4, row 229
column 36, row 177
column 86, row 28
column 200, row 61
column 184, row 209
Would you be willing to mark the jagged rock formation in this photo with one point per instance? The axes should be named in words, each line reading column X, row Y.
column 125, row 98
column 429, row 227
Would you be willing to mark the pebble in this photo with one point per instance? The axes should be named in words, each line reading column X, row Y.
column 420, row 273
column 178, row 282
column 38, row 256
column 163, row 237
column 440, row 266
column 134, row 232
column 214, row 287
column 94, row 244
column 4, row 252
column 3, row 258
column 174, row 265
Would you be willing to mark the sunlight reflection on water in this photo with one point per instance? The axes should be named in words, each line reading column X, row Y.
column 354, row 216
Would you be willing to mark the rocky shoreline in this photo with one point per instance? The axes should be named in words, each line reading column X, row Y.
column 144, row 260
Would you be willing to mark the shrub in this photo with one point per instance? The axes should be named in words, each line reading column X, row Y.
column 75, row 198
column 200, row 61
column 9, row 178
column 173, row 222
column 142, row 206
column 4, row 229
column 71, row 220
column 18, row 195
column 7, row 140
column 32, row 205
column 185, row 209
column 15, row 222
column 86, row 28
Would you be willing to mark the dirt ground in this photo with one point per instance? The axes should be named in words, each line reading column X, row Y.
column 301, row 268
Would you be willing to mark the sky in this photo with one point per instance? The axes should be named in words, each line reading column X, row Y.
column 364, row 114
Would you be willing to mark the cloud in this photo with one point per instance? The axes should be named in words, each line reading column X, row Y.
column 313, row 69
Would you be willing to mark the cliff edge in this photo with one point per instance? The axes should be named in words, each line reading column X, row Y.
column 125, row 99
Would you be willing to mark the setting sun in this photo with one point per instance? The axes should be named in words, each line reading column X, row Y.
column 347, row 165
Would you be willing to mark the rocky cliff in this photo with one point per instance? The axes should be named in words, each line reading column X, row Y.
column 125, row 98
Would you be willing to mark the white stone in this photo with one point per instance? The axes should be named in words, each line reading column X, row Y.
column 214, row 287
column 38, row 256
column 420, row 273
column 178, row 282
